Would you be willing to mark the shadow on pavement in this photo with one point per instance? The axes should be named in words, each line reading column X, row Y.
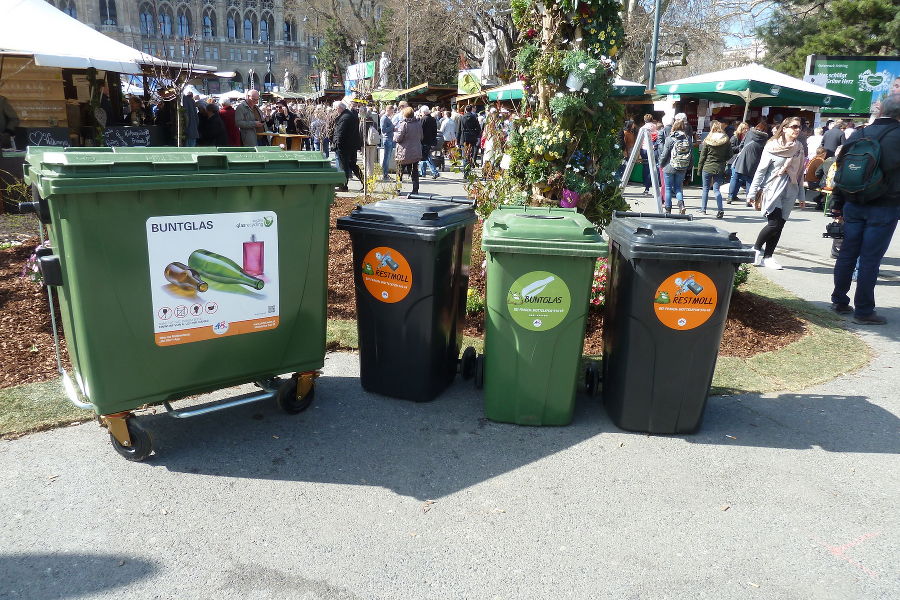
column 798, row 422
column 423, row 450
column 66, row 575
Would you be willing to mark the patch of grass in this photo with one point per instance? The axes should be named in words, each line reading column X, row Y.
column 828, row 350
column 36, row 407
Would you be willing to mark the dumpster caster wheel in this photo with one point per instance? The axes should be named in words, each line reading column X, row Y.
column 141, row 443
column 467, row 363
column 591, row 379
column 479, row 372
column 292, row 400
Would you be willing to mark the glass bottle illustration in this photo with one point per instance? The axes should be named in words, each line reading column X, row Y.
column 254, row 257
column 183, row 276
column 222, row 269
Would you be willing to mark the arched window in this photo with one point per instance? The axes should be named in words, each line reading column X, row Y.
column 232, row 24
column 250, row 27
column 184, row 21
column 209, row 23
column 107, row 12
column 148, row 23
column 165, row 21
column 379, row 10
column 288, row 31
column 266, row 25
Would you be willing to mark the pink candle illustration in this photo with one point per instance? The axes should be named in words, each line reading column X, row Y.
column 254, row 255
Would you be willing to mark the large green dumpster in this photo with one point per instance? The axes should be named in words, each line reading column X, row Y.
column 540, row 265
column 184, row 270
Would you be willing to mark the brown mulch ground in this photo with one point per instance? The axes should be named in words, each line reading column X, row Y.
column 26, row 337
column 755, row 324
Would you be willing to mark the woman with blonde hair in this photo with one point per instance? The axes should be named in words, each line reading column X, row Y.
column 779, row 177
column 714, row 154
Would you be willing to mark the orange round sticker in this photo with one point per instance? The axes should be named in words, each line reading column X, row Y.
column 386, row 274
column 685, row 300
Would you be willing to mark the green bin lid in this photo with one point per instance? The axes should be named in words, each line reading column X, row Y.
column 640, row 235
column 82, row 170
column 425, row 219
column 541, row 230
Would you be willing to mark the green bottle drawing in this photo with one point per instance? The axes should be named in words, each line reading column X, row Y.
column 368, row 270
column 216, row 267
column 663, row 298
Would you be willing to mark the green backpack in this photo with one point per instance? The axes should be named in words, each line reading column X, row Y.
column 858, row 174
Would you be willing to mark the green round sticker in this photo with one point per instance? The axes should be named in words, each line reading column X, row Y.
column 538, row 300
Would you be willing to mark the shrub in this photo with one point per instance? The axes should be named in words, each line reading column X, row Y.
column 474, row 302
column 741, row 274
column 598, row 285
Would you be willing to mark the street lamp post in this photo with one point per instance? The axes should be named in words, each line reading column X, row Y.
column 318, row 72
column 268, row 62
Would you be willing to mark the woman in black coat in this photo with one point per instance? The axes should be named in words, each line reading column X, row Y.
column 744, row 166
column 215, row 132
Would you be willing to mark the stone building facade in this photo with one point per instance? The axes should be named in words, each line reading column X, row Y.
column 232, row 35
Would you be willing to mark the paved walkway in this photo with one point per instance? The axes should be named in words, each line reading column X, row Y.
column 778, row 496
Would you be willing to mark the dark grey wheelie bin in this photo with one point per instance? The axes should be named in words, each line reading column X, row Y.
column 670, row 282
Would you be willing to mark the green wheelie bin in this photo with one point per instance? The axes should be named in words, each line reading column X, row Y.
column 540, row 265
column 184, row 270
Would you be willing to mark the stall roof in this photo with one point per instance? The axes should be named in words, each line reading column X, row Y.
column 35, row 28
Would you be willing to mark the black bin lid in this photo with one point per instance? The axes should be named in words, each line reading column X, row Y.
column 425, row 219
column 657, row 237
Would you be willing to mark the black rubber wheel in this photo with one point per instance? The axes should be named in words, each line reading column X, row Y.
column 467, row 363
column 287, row 399
column 479, row 372
column 141, row 443
column 591, row 379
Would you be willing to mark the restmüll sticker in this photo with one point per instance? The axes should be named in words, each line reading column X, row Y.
column 685, row 300
column 386, row 274
column 538, row 301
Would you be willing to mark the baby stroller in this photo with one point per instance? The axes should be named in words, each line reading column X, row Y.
column 437, row 153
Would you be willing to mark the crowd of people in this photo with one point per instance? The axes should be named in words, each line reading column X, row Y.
column 784, row 165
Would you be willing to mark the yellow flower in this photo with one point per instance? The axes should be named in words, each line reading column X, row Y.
column 613, row 51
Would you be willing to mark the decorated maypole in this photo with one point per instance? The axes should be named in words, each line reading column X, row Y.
column 563, row 147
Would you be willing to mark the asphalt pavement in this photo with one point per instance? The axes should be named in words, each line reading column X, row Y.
column 778, row 496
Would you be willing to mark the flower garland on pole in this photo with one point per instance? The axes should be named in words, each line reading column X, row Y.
column 563, row 149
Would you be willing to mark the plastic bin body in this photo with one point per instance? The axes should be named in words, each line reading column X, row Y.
column 533, row 343
column 103, row 204
column 411, row 273
column 661, row 338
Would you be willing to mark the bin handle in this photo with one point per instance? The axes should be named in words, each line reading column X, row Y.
column 619, row 214
column 539, row 217
column 212, row 161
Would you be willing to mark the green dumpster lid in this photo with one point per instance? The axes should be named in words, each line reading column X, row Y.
column 639, row 235
column 541, row 230
column 73, row 170
column 424, row 219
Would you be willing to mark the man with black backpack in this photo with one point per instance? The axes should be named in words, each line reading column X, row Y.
column 867, row 198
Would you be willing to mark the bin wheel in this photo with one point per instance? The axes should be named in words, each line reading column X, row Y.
column 467, row 363
column 287, row 399
column 479, row 372
column 141, row 443
column 591, row 379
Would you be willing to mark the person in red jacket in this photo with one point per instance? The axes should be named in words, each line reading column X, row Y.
column 227, row 114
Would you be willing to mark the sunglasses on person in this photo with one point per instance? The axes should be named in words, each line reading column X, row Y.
column 794, row 126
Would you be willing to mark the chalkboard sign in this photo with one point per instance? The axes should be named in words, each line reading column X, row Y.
column 42, row 136
column 131, row 136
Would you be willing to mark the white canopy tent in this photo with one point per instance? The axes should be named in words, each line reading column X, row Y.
column 35, row 28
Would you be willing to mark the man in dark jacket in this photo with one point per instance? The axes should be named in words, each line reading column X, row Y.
column 346, row 142
column 834, row 139
column 215, row 132
column 868, row 228
column 469, row 134
column 429, row 135
column 746, row 162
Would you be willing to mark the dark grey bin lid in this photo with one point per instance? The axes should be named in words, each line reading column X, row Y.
column 425, row 219
column 651, row 236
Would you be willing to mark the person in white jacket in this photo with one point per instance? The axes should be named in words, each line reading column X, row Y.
column 780, row 178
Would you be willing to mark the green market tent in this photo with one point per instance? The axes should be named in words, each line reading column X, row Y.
column 755, row 85
column 623, row 87
column 515, row 91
